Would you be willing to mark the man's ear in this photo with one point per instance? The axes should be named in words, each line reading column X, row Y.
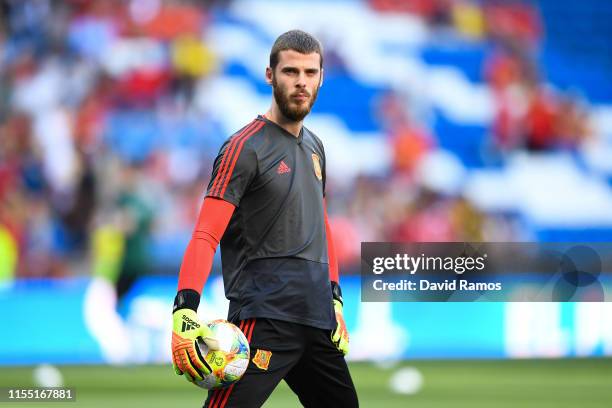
column 269, row 75
column 321, row 81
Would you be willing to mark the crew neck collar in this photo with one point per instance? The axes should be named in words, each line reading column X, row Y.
column 283, row 130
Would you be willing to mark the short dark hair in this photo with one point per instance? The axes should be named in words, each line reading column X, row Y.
column 296, row 40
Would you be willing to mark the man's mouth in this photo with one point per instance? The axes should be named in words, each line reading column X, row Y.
column 300, row 96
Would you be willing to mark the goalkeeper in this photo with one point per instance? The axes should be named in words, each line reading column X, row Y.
column 265, row 204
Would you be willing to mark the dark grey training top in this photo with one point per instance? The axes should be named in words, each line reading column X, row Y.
column 274, row 251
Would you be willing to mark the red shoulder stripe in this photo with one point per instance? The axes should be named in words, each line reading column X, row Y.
column 237, row 154
column 226, row 154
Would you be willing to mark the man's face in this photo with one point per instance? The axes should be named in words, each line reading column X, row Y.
column 296, row 81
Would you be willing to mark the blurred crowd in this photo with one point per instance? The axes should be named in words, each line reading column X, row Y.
column 100, row 132
column 106, row 151
column 529, row 115
column 418, row 201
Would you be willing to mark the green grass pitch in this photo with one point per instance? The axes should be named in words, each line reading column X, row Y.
column 583, row 383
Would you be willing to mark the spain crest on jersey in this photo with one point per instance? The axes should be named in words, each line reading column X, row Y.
column 316, row 162
column 262, row 359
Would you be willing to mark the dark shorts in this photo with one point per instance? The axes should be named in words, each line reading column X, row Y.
column 303, row 356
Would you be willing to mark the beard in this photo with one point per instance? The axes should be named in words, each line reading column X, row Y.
column 292, row 111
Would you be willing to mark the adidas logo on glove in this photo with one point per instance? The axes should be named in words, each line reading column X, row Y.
column 189, row 324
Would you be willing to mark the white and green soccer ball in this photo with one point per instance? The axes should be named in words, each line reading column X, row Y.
column 229, row 363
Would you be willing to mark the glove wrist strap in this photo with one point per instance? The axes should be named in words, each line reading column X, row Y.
column 186, row 299
column 336, row 292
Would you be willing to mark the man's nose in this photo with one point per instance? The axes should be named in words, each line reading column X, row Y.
column 301, row 81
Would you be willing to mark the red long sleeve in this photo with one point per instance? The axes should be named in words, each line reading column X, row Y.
column 214, row 217
column 331, row 249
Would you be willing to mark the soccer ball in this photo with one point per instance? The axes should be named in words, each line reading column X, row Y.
column 229, row 363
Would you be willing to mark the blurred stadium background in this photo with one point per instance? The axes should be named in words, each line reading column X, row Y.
column 444, row 120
